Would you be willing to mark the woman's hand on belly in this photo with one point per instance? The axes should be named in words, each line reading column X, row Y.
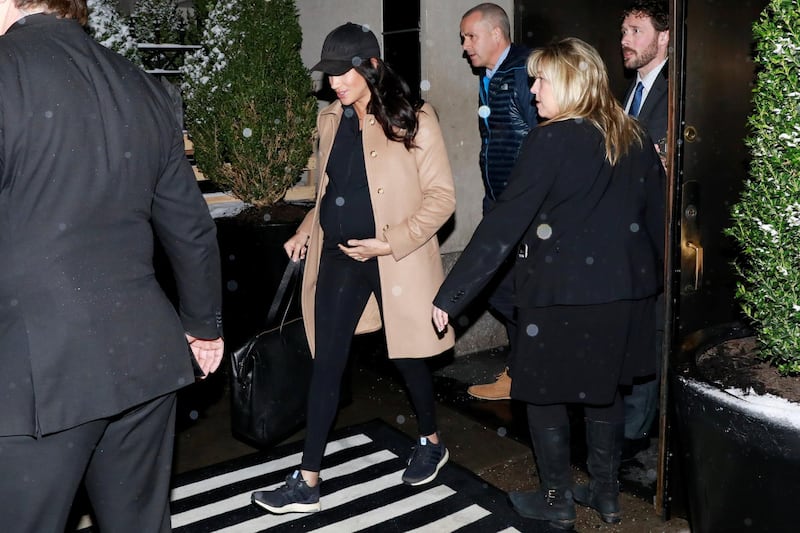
column 363, row 249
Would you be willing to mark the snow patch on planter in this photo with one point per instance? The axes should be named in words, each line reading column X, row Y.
column 222, row 204
column 778, row 410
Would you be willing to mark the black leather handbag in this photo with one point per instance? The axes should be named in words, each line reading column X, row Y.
column 271, row 373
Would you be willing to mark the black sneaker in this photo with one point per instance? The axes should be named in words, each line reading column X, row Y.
column 425, row 462
column 293, row 497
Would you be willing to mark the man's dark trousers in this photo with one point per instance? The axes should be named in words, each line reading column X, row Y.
column 134, row 449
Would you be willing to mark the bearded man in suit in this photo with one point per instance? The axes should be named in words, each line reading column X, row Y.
column 645, row 43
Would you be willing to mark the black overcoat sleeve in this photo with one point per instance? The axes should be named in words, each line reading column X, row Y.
column 188, row 235
column 502, row 227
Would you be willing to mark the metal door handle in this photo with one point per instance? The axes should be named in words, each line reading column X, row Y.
column 698, row 263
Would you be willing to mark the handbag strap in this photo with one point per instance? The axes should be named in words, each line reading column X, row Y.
column 291, row 273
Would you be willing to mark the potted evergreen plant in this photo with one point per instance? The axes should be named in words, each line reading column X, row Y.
column 251, row 112
column 159, row 21
column 737, row 416
column 766, row 220
column 250, row 104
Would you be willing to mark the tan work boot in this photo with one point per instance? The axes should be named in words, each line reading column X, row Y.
column 499, row 390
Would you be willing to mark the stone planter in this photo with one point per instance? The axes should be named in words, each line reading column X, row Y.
column 739, row 453
column 253, row 260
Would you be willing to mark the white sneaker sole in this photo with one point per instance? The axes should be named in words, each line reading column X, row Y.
column 291, row 508
column 439, row 466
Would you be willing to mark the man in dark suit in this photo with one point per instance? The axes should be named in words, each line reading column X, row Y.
column 645, row 42
column 92, row 170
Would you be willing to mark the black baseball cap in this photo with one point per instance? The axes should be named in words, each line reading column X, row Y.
column 346, row 47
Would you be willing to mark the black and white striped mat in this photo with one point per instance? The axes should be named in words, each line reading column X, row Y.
column 361, row 491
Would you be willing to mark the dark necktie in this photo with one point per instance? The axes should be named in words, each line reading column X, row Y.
column 637, row 101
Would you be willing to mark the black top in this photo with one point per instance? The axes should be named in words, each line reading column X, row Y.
column 346, row 208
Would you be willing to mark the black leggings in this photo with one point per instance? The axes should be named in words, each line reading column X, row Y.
column 555, row 415
column 343, row 289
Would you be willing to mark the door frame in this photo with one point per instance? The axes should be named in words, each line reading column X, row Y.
column 673, row 217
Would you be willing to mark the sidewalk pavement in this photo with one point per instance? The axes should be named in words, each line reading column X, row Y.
column 488, row 438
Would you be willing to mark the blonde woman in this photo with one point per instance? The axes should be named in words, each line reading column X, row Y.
column 585, row 202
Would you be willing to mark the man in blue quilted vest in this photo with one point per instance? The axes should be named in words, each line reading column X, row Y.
column 506, row 114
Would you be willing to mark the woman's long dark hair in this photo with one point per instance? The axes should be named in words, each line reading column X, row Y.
column 391, row 102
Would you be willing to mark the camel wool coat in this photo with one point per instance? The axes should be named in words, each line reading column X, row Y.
column 413, row 195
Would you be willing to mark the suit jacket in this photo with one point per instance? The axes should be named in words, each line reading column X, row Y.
column 654, row 112
column 590, row 233
column 92, row 168
column 413, row 195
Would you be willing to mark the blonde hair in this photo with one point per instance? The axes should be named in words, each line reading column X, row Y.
column 579, row 81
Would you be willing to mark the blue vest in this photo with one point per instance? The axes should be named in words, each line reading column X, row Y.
column 511, row 116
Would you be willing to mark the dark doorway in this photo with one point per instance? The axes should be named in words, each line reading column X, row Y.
column 401, row 48
column 716, row 91
column 537, row 22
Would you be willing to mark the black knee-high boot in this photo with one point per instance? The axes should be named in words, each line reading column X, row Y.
column 553, row 502
column 604, row 442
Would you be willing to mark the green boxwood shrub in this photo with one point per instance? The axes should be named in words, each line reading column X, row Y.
column 766, row 219
column 249, row 102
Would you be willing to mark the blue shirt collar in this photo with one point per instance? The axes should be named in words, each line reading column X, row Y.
column 503, row 56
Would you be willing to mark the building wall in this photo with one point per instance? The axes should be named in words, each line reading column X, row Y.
column 318, row 17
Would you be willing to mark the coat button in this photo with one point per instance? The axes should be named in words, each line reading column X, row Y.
column 373, row 154
column 380, row 190
column 386, row 227
column 372, row 122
